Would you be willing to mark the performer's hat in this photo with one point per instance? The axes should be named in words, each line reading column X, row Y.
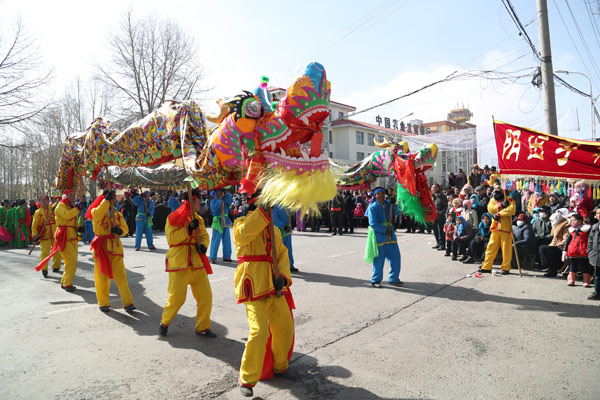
column 68, row 191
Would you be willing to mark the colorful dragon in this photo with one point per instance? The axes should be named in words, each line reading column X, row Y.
column 396, row 160
column 256, row 143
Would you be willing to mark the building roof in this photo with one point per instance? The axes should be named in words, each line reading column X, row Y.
column 448, row 123
column 342, row 122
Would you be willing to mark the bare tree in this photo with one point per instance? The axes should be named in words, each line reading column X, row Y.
column 21, row 77
column 152, row 61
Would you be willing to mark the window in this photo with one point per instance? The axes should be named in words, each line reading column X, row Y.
column 331, row 137
column 331, row 154
column 360, row 155
column 370, row 139
column 340, row 115
column 380, row 138
column 329, row 118
column 360, row 138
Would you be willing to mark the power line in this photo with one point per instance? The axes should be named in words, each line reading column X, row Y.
column 587, row 49
column 513, row 14
column 593, row 22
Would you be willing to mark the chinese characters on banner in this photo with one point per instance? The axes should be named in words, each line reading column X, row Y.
column 525, row 152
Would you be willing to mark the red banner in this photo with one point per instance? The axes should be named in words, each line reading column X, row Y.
column 522, row 151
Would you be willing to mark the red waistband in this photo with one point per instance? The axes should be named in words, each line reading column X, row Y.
column 263, row 257
column 181, row 244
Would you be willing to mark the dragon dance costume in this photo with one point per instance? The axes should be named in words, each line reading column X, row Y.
column 271, row 334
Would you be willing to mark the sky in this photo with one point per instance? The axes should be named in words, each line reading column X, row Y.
column 373, row 51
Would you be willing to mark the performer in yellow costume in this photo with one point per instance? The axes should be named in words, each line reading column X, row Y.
column 107, row 249
column 42, row 230
column 187, row 264
column 66, row 237
column 502, row 208
column 268, row 313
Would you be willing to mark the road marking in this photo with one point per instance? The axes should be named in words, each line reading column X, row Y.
column 343, row 254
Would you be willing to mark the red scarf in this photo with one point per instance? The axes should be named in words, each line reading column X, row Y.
column 59, row 244
column 98, row 245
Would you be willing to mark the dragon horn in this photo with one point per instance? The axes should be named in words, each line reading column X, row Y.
column 383, row 144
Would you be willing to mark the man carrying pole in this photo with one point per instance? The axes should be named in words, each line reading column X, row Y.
column 107, row 250
column 143, row 220
column 262, row 276
column 43, row 228
column 188, row 265
column 66, row 236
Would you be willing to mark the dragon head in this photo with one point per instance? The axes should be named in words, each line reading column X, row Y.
column 280, row 147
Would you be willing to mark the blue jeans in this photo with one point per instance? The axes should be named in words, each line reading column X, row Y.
column 215, row 242
column 88, row 235
column 141, row 227
column 287, row 242
column 389, row 252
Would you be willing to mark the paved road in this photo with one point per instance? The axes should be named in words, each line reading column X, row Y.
column 442, row 336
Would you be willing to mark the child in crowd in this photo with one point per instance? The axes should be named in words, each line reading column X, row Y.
column 462, row 237
column 575, row 251
column 449, row 228
column 479, row 242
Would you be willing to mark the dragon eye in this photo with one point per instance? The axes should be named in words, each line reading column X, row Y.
column 253, row 109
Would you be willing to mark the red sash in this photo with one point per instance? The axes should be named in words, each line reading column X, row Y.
column 61, row 242
column 203, row 257
column 98, row 245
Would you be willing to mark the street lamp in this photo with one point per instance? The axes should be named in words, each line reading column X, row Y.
column 591, row 97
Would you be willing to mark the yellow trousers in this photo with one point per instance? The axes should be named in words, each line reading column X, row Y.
column 69, row 257
column 198, row 281
column 272, row 312
column 45, row 248
column 498, row 240
column 102, row 282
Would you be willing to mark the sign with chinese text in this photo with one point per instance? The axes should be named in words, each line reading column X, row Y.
column 523, row 151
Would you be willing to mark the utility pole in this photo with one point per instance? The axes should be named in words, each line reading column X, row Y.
column 546, row 67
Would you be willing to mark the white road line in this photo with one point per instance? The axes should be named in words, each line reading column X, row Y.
column 342, row 254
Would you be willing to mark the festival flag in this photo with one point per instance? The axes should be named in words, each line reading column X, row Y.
column 525, row 152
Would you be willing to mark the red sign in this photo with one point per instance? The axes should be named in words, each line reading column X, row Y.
column 522, row 151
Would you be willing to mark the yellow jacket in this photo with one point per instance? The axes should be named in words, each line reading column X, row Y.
column 543, row 201
column 102, row 225
column 493, row 178
column 506, row 214
column 43, row 217
column 67, row 216
column 254, row 279
column 182, row 248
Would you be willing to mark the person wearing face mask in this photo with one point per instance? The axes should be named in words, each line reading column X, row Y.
column 550, row 255
column 555, row 202
column 593, row 249
column 542, row 227
column 502, row 208
column 575, row 251
column 524, row 238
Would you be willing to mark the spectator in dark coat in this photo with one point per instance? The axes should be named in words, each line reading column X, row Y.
column 479, row 242
column 451, row 179
column 349, row 206
column 524, row 238
column 542, row 227
column 475, row 177
column 593, row 248
column 441, row 205
column 555, row 203
column 461, row 179
column 462, row 237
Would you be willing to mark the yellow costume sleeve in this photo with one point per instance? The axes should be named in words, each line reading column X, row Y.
column 246, row 229
column 37, row 220
column 204, row 237
column 98, row 214
column 510, row 210
column 175, row 234
column 120, row 222
column 493, row 206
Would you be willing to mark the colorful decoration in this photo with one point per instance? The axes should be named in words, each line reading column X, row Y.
column 395, row 159
column 524, row 152
column 291, row 168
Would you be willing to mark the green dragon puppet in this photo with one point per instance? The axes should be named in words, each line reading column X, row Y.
column 256, row 143
column 396, row 160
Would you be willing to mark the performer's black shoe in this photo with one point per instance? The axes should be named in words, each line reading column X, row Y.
column 207, row 334
column 162, row 329
column 484, row 271
column 376, row 285
column 152, row 248
column 504, row 272
column 45, row 272
column 130, row 308
column 294, row 269
column 213, row 260
column 137, row 249
column 56, row 271
column 69, row 289
column 246, row 391
column 227, row 260
column 469, row 260
column 594, row 296
column 399, row 283
column 105, row 309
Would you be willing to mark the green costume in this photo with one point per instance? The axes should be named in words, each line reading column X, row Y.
column 3, row 211
column 21, row 230
column 10, row 223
